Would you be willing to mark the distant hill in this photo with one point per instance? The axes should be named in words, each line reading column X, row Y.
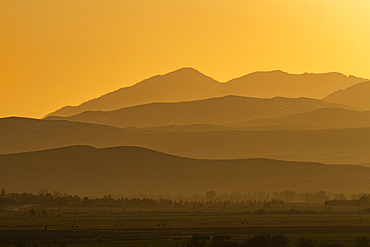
column 347, row 146
column 186, row 128
column 356, row 96
column 187, row 84
column 323, row 118
column 216, row 111
column 278, row 83
column 27, row 134
column 88, row 171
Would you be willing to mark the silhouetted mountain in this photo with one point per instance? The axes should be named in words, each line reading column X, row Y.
column 279, row 83
column 188, row 84
column 324, row 118
column 179, row 85
column 216, row 111
column 187, row 128
column 26, row 134
column 356, row 96
column 85, row 170
column 347, row 146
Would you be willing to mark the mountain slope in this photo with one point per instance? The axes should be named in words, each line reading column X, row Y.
column 279, row 83
column 356, row 96
column 25, row 134
column 179, row 85
column 347, row 146
column 217, row 111
column 85, row 170
column 323, row 118
column 187, row 84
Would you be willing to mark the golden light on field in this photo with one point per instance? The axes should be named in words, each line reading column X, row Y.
column 56, row 53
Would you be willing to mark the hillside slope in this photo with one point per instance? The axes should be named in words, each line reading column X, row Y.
column 85, row 170
column 349, row 146
column 217, row 111
column 323, row 118
column 356, row 96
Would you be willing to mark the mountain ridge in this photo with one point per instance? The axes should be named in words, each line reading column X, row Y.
column 324, row 118
column 189, row 84
column 133, row 170
column 334, row 146
column 218, row 111
column 356, row 95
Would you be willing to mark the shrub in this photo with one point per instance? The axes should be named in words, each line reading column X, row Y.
column 260, row 211
column 267, row 240
column 305, row 242
column 362, row 241
column 332, row 245
column 32, row 212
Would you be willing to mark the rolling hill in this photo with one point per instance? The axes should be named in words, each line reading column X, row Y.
column 323, row 118
column 187, row 84
column 216, row 111
column 27, row 134
column 347, row 146
column 356, row 96
column 84, row 170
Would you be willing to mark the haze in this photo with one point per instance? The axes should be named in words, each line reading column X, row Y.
column 58, row 53
column 185, row 123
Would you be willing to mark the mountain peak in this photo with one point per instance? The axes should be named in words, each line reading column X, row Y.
column 187, row 84
column 185, row 69
column 185, row 72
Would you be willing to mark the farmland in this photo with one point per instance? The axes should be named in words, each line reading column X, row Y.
column 170, row 227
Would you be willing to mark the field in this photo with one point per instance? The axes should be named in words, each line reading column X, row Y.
column 162, row 227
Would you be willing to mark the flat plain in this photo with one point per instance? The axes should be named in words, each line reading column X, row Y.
column 162, row 227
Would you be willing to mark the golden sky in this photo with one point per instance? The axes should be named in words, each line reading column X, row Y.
column 63, row 52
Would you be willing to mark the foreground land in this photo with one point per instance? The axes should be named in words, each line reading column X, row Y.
column 113, row 226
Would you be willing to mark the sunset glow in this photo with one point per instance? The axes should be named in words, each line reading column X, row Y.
column 57, row 53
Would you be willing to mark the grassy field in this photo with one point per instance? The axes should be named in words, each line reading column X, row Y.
column 132, row 227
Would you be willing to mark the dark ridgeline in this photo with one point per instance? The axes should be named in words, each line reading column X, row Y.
column 340, row 146
column 84, row 170
column 226, row 111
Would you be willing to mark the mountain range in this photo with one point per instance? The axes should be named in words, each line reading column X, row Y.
column 188, row 84
column 355, row 96
column 84, row 170
column 227, row 110
column 322, row 118
column 184, row 132
column 336, row 146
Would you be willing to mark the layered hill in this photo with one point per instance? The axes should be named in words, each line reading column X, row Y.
column 356, row 96
column 323, row 118
column 188, row 84
column 27, row 134
column 349, row 146
column 216, row 111
column 84, row 170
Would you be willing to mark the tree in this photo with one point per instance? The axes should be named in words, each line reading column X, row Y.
column 305, row 242
column 194, row 242
column 32, row 212
column 362, row 241
column 211, row 196
column 268, row 240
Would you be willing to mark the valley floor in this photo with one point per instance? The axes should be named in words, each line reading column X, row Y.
column 115, row 227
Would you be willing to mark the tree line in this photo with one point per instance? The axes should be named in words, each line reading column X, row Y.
column 210, row 198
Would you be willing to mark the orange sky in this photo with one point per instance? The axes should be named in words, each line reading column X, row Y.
column 56, row 53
